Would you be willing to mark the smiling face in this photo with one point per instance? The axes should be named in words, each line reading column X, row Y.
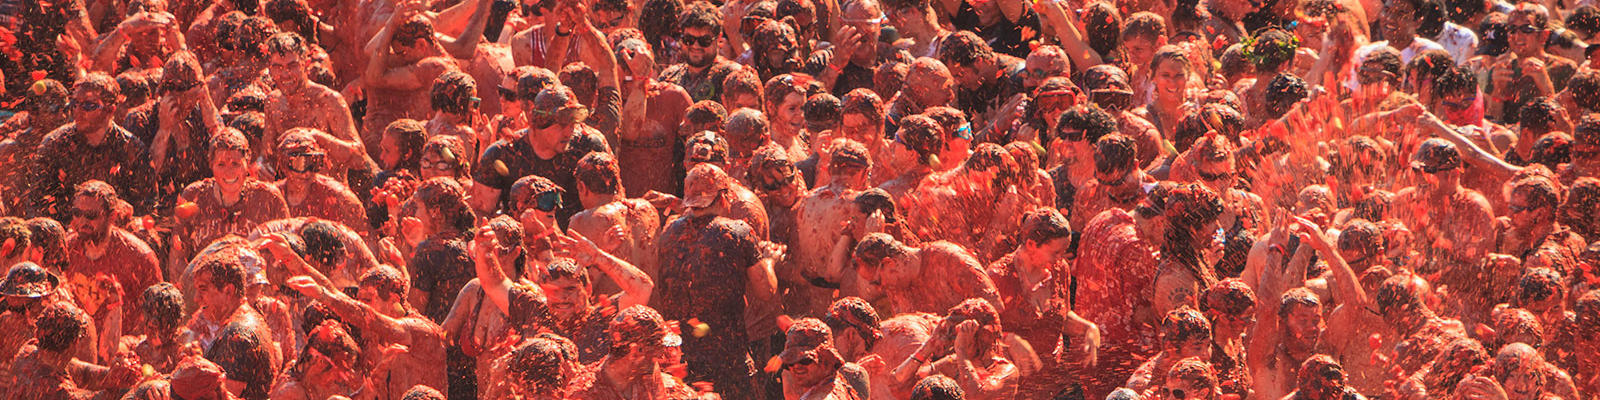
column 1399, row 22
column 568, row 298
column 1526, row 35
column 698, row 46
column 788, row 117
column 287, row 71
column 229, row 167
column 1304, row 326
column 1171, row 79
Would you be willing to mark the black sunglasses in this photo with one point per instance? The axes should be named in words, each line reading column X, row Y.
column 1213, row 176
column 507, row 94
column 87, row 105
column 802, row 362
column 1524, row 28
column 1177, row 393
column 548, row 201
column 692, row 40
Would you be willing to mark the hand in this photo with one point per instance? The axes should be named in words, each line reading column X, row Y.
column 305, row 285
column 772, row 251
column 144, row 21
column 662, row 201
column 1534, row 68
column 411, row 230
column 845, row 41
column 1312, row 235
column 1502, row 77
column 1476, row 387
column 534, row 226
column 484, row 244
column 389, row 252
column 638, row 65
column 966, row 337
column 577, row 246
column 278, row 246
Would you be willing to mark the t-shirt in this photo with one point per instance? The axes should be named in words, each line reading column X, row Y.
column 702, row 277
column 852, row 77
column 440, row 266
column 1004, row 36
column 520, row 160
column 64, row 160
column 704, row 85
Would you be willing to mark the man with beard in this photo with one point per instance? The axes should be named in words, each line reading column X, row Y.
column 701, row 68
column 813, row 368
column 384, row 320
column 1452, row 223
column 711, row 267
column 987, row 79
column 852, row 60
column 555, row 140
column 1297, row 328
column 99, row 249
column 91, row 147
column 630, row 370
column 1118, row 182
column 298, row 102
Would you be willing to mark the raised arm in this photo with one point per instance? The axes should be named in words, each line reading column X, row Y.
column 1345, row 284
column 491, row 278
column 358, row 314
column 1473, row 154
column 462, row 45
column 1065, row 26
column 636, row 286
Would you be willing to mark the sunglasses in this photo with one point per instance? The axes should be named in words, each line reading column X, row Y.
column 964, row 132
column 1213, row 176
column 1459, row 105
column 507, row 94
column 1430, row 169
column 548, row 201
column 1524, row 28
column 566, row 115
column 1177, row 393
column 304, row 161
column 701, row 41
column 86, row 105
column 438, row 165
column 1071, row 135
column 1517, row 209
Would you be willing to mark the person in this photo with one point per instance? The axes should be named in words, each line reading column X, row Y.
column 1118, row 181
column 298, row 102
column 1230, row 306
column 851, row 63
column 326, row 367
column 1191, row 212
column 985, row 77
column 890, row 267
column 938, row 387
column 1527, row 71
column 385, row 320
column 405, row 56
column 91, row 147
column 917, row 145
column 249, row 361
column 1532, row 225
column 813, row 369
column 928, row 83
column 99, row 247
column 1185, row 334
column 1468, row 213
column 817, row 216
column 301, row 163
column 29, row 290
column 46, row 367
column 627, row 227
column 555, row 140
column 1034, row 282
column 653, row 110
column 436, row 228
column 688, row 252
column 219, row 289
column 166, row 341
column 966, row 346
column 230, row 202
column 702, row 68
column 452, row 98
column 630, row 369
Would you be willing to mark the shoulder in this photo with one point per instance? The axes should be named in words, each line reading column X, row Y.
column 193, row 190
column 259, row 189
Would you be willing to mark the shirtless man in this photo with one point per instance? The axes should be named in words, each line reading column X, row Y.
column 818, row 217
column 1586, row 343
column 651, row 113
column 921, row 279
column 916, row 147
column 101, row 247
column 310, row 193
column 453, row 97
column 46, row 369
column 298, row 102
column 627, row 227
column 411, row 345
column 406, row 58
column 1185, row 333
column 927, row 84
column 1452, row 223
column 966, row 345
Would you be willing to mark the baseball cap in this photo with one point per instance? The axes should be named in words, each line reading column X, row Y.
column 27, row 279
column 1436, row 155
column 807, row 338
column 703, row 184
column 557, row 104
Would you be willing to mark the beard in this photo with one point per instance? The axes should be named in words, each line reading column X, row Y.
column 701, row 61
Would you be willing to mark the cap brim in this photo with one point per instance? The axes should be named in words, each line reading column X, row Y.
column 795, row 354
column 699, row 201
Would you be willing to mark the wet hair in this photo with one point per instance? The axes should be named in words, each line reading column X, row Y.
column 1386, row 59
column 1360, row 234
column 451, row 148
column 1300, row 297
column 60, row 326
column 1195, row 125
column 414, row 29
column 1044, row 225
column 1171, row 53
column 964, row 49
column 1539, row 114
column 823, row 111
column 296, row 11
column 531, row 80
column 1541, row 191
column 948, row 117
column 1428, row 65
column 598, row 171
column 1232, row 62
column 252, row 33
column 582, row 78
column 705, row 114
column 853, row 313
column 162, row 305
column 864, row 102
column 413, row 137
column 14, row 230
column 1188, row 16
column 1283, row 92
column 1271, row 48
column 388, row 281
column 1193, row 371
column 1454, row 81
column 1318, row 370
column 137, row 86
column 329, row 339
column 1184, row 324
column 922, row 135
column 1102, row 27
column 1585, row 20
column 422, row 392
column 1397, row 293
column 316, row 313
column 49, row 235
column 937, row 387
column 228, row 138
column 1586, row 315
column 538, row 364
column 101, row 192
column 1552, row 149
column 780, row 87
column 875, row 247
column 1585, row 88
column 101, row 84
column 1517, row 322
column 1115, row 152
column 447, row 201
column 890, row 77
column 286, row 44
column 1228, row 296
column 453, row 92
column 564, row 268
column 322, row 241
column 1144, row 25
column 1462, row 11
column 225, row 270
column 1540, row 14
column 746, row 122
column 743, row 82
column 244, row 356
column 1540, row 284
column 699, row 15
column 1094, row 121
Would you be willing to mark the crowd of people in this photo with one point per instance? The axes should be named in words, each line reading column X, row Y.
column 800, row 199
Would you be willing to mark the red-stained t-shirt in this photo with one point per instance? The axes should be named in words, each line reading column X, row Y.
column 258, row 202
column 126, row 259
column 1115, row 273
column 328, row 199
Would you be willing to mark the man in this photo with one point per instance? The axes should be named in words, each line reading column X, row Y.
column 300, row 161
column 916, row 147
column 916, row 20
column 863, row 113
column 778, row 183
column 1118, row 182
column 1035, row 284
column 1321, row 378
column 711, row 266
column 298, row 102
column 27, row 291
column 555, row 140
column 747, row 130
column 652, row 111
column 91, row 147
column 1227, row 18
column 385, row 321
column 453, row 100
column 43, row 109
column 627, row 227
column 853, row 59
column 1453, row 224
column 1531, row 223
column 928, row 84
column 1114, row 272
column 1230, row 305
column 930, row 278
column 701, row 68
column 1527, row 71
column 813, row 369
column 1586, row 318
column 630, row 369
column 1185, row 333
column 1072, row 144
column 818, row 216
column 399, row 72
column 99, row 247
column 46, row 369
column 987, row 80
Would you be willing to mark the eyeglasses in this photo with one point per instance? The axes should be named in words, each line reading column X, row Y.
column 964, row 132
column 507, row 94
column 1213, row 176
column 448, row 166
column 875, row 20
column 701, row 41
column 1524, row 28
column 86, row 105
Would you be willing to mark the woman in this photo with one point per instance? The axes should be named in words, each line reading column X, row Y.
column 1191, row 213
column 229, row 202
column 1167, row 91
column 967, row 345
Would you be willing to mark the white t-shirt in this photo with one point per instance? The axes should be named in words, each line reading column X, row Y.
column 1462, row 43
